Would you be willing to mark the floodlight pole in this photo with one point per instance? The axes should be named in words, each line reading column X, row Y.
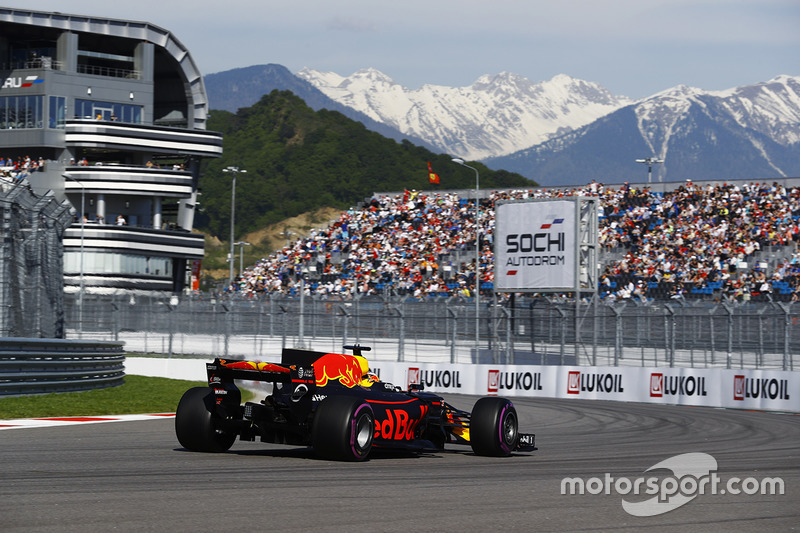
column 461, row 162
column 650, row 161
column 234, row 171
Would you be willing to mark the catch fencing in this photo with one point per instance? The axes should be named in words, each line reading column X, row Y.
column 31, row 261
column 526, row 330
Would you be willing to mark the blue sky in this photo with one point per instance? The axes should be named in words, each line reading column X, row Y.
column 632, row 47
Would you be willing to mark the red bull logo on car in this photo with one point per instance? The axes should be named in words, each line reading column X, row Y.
column 346, row 369
column 399, row 424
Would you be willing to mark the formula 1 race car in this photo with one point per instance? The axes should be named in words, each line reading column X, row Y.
column 333, row 403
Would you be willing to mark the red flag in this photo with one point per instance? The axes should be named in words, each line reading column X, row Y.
column 432, row 176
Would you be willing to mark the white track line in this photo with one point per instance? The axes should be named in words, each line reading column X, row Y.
column 75, row 420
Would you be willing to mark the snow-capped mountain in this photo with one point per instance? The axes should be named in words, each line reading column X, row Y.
column 742, row 133
column 243, row 87
column 497, row 115
column 562, row 131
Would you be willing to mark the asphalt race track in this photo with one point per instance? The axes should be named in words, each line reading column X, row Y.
column 133, row 476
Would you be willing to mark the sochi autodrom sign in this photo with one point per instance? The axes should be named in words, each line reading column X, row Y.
column 535, row 245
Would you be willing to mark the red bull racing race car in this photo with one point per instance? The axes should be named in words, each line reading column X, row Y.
column 331, row 402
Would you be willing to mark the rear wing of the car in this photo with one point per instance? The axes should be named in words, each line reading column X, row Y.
column 298, row 377
column 226, row 370
column 296, row 366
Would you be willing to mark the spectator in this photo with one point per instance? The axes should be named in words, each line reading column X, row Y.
column 693, row 237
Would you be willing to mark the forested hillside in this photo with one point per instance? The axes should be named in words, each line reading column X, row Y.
column 298, row 160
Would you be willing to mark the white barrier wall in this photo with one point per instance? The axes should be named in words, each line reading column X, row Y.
column 159, row 367
column 744, row 389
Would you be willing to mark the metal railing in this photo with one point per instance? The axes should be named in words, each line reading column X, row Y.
column 37, row 366
column 111, row 72
column 533, row 331
column 47, row 63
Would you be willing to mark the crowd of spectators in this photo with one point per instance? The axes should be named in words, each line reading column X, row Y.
column 392, row 242
column 17, row 169
column 694, row 241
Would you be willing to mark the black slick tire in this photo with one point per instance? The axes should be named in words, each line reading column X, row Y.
column 343, row 428
column 196, row 426
column 494, row 427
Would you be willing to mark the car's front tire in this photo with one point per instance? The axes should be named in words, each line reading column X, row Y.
column 196, row 426
column 343, row 428
column 493, row 427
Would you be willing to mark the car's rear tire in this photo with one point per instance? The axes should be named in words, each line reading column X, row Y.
column 196, row 426
column 493, row 427
column 343, row 428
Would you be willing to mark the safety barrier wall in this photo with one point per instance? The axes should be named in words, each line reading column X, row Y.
column 746, row 389
column 38, row 366
column 773, row 390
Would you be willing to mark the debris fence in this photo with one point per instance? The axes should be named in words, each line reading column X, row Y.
column 524, row 330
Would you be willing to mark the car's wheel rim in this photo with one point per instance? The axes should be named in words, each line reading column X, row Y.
column 362, row 427
column 363, row 433
column 509, row 429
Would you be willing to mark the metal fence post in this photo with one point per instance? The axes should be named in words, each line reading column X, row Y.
column 729, row 355
column 760, row 348
column 713, row 333
column 314, row 315
column 227, row 310
column 509, row 337
column 259, row 309
column 272, row 298
column 563, row 315
column 301, row 323
column 532, row 326
column 595, row 327
column 115, row 320
column 357, row 315
column 285, row 313
column 491, row 331
column 402, row 336
column 346, row 316
column 454, row 319
column 171, row 305
column 669, row 334
column 786, row 308
column 618, row 332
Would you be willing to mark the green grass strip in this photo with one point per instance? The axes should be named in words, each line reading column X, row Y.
column 137, row 395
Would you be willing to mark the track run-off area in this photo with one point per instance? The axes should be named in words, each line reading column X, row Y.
column 132, row 475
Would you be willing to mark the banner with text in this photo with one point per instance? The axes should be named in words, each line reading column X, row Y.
column 772, row 390
column 535, row 245
column 746, row 389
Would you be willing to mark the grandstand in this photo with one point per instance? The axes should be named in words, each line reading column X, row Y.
column 734, row 241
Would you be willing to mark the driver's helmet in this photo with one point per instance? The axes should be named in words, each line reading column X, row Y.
column 368, row 379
